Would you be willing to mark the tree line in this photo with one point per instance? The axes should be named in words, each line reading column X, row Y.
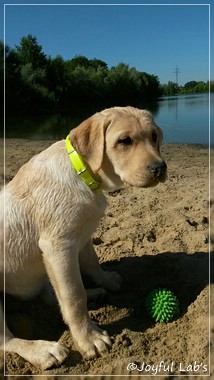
column 37, row 82
column 191, row 87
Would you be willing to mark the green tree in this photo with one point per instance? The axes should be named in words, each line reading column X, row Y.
column 35, row 81
column 170, row 89
column 123, row 84
column 79, row 61
column 31, row 73
column 201, row 87
column 189, row 86
column 57, row 79
column 151, row 86
column 193, row 87
column 29, row 51
column 14, row 91
column 98, row 63
column 211, row 86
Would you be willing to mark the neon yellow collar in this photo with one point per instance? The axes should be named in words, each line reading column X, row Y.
column 80, row 167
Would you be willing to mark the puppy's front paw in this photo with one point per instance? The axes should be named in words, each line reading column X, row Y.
column 40, row 353
column 95, row 343
column 52, row 355
column 111, row 280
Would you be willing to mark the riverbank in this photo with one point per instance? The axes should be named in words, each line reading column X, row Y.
column 152, row 237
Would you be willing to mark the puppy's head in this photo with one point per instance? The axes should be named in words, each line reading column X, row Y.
column 121, row 145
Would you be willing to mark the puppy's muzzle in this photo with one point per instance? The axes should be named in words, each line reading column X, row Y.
column 158, row 169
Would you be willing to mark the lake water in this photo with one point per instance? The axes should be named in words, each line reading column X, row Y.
column 183, row 119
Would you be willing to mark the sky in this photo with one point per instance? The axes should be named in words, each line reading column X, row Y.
column 152, row 37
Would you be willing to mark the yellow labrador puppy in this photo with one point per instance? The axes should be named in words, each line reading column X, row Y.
column 54, row 204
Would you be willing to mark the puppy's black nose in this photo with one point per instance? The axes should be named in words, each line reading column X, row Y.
column 157, row 168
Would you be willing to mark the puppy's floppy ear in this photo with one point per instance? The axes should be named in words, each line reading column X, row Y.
column 88, row 139
column 160, row 133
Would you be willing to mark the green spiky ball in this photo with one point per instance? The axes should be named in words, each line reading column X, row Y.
column 162, row 305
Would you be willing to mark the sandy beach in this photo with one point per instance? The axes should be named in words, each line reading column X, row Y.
column 156, row 237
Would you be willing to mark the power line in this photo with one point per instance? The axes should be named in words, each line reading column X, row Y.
column 176, row 72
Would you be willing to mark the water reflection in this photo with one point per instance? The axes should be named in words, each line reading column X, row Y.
column 184, row 119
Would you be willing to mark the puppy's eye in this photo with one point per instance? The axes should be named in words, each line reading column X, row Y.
column 125, row 141
column 154, row 137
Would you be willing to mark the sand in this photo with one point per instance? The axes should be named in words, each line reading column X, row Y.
column 156, row 237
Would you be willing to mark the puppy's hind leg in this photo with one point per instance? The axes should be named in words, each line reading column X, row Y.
column 3, row 331
column 40, row 353
column 95, row 294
